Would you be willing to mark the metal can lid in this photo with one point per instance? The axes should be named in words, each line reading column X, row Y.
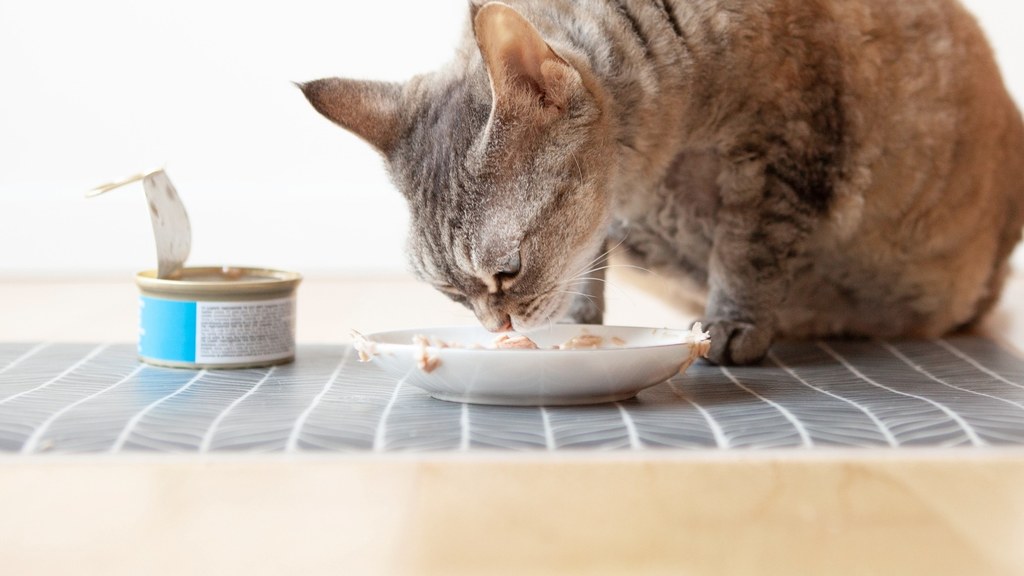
column 219, row 281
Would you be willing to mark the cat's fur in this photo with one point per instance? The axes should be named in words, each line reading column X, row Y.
column 820, row 167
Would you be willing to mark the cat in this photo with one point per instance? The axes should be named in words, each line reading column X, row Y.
column 812, row 167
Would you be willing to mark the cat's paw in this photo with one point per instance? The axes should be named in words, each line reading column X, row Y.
column 734, row 342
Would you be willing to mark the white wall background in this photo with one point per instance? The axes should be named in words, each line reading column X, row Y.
column 92, row 91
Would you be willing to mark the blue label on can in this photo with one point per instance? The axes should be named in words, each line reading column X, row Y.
column 167, row 329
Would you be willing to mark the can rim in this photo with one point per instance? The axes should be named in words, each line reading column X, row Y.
column 266, row 280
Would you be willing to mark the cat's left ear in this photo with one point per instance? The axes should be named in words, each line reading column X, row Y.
column 371, row 110
column 519, row 62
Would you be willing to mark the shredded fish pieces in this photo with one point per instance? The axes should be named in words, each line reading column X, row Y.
column 699, row 344
column 365, row 347
column 508, row 341
column 582, row 342
column 424, row 360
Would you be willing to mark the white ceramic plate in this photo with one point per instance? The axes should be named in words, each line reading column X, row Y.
column 630, row 359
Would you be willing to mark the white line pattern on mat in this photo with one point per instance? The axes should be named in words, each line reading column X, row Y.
column 549, row 434
column 721, row 440
column 882, row 428
column 33, row 441
column 965, row 357
column 805, row 438
column 968, row 430
column 895, row 352
column 28, row 354
column 380, row 438
column 127, row 431
column 204, row 445
column 634, row 438
column 57, row 378
column 960, row 392
column 464, row 428
column 296, row 431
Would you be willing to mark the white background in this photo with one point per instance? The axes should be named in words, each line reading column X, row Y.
column 93, row 91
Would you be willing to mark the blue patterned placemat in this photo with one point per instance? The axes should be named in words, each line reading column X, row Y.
column 88, row 398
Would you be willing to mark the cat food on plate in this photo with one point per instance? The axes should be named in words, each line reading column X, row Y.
column 505, row 341
column 563, row 364
column 583, row 342
column 513, row 342
column 424, row 361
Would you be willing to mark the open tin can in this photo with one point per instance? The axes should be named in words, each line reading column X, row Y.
column 210, row 317
column 206, row 317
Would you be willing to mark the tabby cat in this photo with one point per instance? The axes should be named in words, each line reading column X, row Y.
column 813, row 167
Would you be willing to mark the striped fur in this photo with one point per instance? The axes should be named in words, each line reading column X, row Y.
column 815, row 167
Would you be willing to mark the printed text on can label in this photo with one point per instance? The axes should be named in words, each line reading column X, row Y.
column 217, row 332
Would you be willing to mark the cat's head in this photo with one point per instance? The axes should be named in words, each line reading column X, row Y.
column 503, row 157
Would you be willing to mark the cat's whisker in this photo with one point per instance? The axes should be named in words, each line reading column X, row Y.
column 589, row 297
column 578, row 169
column 602, row 259
column 609, row 284
column 596, row 260
column 607, row 253
column 610, row 266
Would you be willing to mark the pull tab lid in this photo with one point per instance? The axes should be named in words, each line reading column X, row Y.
column 171, row 227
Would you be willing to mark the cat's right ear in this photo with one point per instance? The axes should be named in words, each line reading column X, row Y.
column 519, row 62
column 371, row 110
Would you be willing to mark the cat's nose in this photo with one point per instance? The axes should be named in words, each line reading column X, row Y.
column 494, row 321
column 497, row 275
column 501, row 323
column 510, row 266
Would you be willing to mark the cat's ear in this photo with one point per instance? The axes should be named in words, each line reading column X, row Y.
column 518, row 59
column 368, row 109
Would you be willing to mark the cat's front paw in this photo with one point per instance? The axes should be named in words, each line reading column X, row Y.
column 734, row 342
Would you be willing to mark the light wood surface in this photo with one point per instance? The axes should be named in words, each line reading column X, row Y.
column 329, row 307
column 106, row 309
column 926, row 513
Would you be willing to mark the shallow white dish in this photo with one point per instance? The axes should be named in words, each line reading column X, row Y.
column 631, row 359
